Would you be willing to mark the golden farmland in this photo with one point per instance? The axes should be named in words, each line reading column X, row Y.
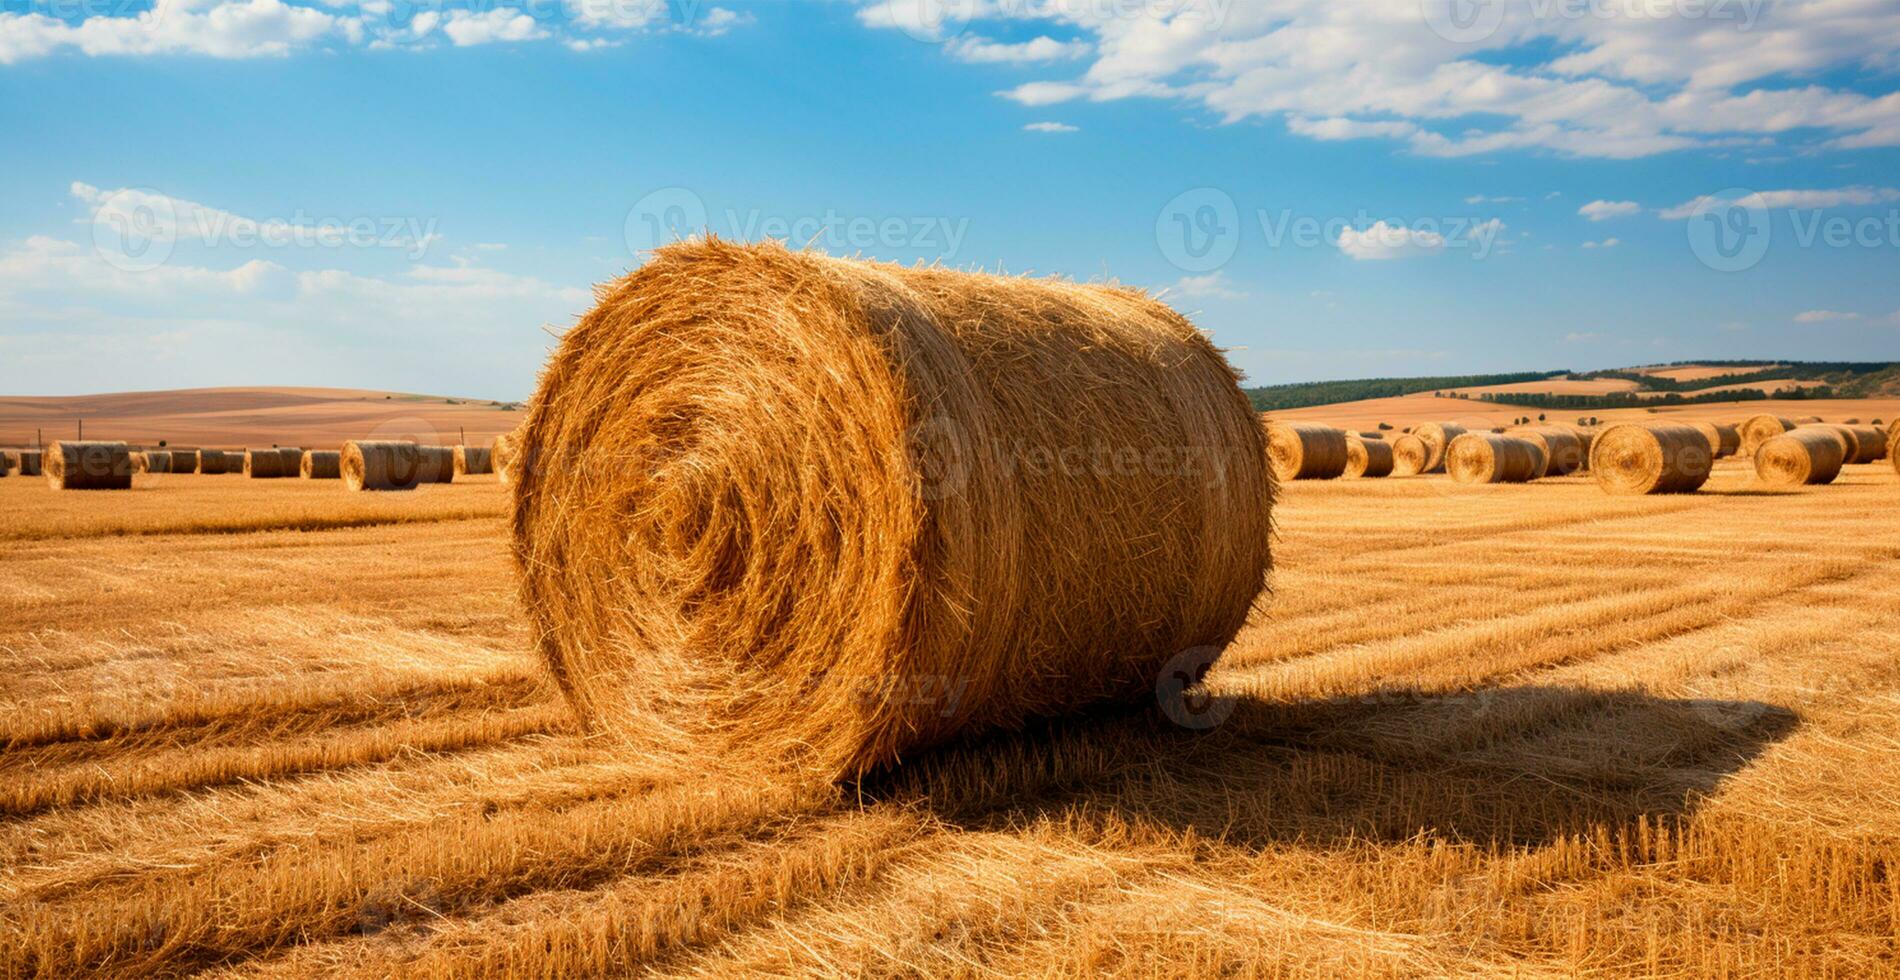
column 269, row 727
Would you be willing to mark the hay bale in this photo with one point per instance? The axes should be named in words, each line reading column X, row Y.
column 1412, row 455
column 321, row 464
column 1563, row 450
column 185, row 461
column 1437, row 436
column 1486, row 457
column 88, row 466
column 1305, row 450
column 1724, row 440
column 211, row 462
column 291, row 460
column 152, row 461
column 264, row 464
column 1587, row 437
column 1033, row 493
column 8, row 462
column 1804, row 456
column 1757, row 429
column 438, row 464
column 1368, row 458
column 1872, row 444
column 1850, row 442
column 371, row 465
column 501, row 455
column 28, row 462
column 1809, row 420
column 1654, row 457
column 470, row 460
column 1369, row 435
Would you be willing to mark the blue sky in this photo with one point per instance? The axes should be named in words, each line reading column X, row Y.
column 415, row 195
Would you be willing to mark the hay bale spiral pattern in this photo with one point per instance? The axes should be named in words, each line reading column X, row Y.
column 88, row 466
column 1486, row 457
column 1806, row 456
column 1638, row 458
column 1306, row 450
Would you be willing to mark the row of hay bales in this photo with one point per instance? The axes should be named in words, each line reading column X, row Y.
column 1311, row 451
column 95, row 465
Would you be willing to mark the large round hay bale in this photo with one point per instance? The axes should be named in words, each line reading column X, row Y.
column 1563, row 450
column 370, row 465
column 1437, row 436
column 152, row 461
column 1305, row 450
column 29, row 462
column 1412, row 455
column 1724, row 439
column 1757, row 429
column 471, row 459
column 1871, row 442
column 211, row 462
column 1657, row 457
column 1368, row 458
column 1586, row 437
column 438, row 463
column 1486, row 457
column 185, row 461
column 501, row 455
column 264, row 464
column 1808, row 455
column 88, row 466
column 969, row 501
column 1850, row 442
column 292, row 460
column 321, row 464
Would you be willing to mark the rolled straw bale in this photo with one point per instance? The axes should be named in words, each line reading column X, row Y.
column 152, row 461
column 292, row 460
column 1807, row 455
column 501, row 455
column 88, row 466
column 185, row 461
column 1486, row 457
column 1758, row 429
column 1033, row 493
column 1305, row 450
column 1873, row 444
column 368, row 465
column 29, row 462
column 1563, row 450
column 1724, row 439
column 1369, row 435
column 264, row 464
column 1368, row 458
column 1850, row 443
column 1809, row 420
column 1588, row 437
column 1437, row 436
column 438, row 463
column 211, row 461
column 8, row 463
column 1851, row 420
column 1654, row 457
column 472, row 459
column 321, row 464
column 1412, row 455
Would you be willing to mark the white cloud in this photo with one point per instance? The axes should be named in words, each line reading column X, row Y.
column 1213, row 285
column 1583, row 337
column 496, row 24
column 154, row 215
column 1045, row 48
column 1858, row 196
column 1823, row 316
column 1487, row 199
column 240, row 29
column 1383, row 241
column 1606, row 243
column 1051, row 127
column 1605, row 210
column 1622, row 80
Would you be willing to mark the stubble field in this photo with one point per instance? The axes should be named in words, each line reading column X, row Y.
column 267, row 727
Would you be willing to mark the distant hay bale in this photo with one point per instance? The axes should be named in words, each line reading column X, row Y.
column 1587, row 437
column 1562, row 448
column 1652, row 457
column 88, row 466
column 292, row 460
column 185, row 461
column 1305, row 450
column 1724, row 440
column 1040, row 492
column 501, row 455
column 1854, row 420
column 8, row 463
column 28, row 462
column 1809, row 420
column 152, row 461
column 370, row 465
column 1872, row 444
column 1805, row 456
column 438, row 464
column 211, row 462
column 321, row 464
column 1368, row 458
column 1437, row 436
column 1758, row 429
column 1412, row 456
column 1486, row 457
column 1370, row 435
column 471, row 460
column 264, row 464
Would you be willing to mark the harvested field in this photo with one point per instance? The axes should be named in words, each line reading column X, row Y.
column 1433, row 752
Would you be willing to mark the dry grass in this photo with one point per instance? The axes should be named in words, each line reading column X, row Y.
column 278, row 749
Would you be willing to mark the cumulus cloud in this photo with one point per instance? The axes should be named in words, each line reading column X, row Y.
column 1606, row 243
column 1045, row 48
column 1605, row 210
column 1823, row 316
column 1619, row 81
column 1051, row 127
column 1382, row 241
column 467, row 28
column 1838, row 197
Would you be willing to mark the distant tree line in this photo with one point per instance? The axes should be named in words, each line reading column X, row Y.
column 1630, row 399
column 1307, row 394
column 1775, row 372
